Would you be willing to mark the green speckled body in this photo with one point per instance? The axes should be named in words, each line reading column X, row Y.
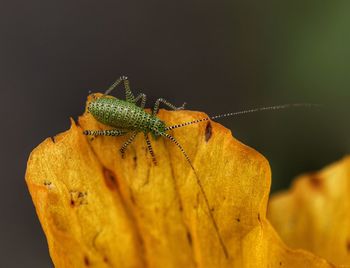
column 125, row 115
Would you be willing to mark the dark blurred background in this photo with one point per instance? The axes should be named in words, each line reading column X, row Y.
column 219, row 56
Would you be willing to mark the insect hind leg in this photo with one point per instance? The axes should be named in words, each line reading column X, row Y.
column 128, row 94
column 164, row 101
column 201, row 187
column 150, row 149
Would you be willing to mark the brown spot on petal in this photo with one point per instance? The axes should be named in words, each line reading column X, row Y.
column 348, row 245
column 315, row 181
column 86, row 261
column 208, row 131
column 110, row 179
column 189, row 238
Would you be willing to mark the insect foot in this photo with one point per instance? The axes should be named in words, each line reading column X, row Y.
column 122, row 153
column 161, row 223
column 182, row 107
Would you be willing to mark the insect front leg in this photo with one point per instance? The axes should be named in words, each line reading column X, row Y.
column 143, row 99
column 127, row 143
column 109, row 132
column 161, row 100
column 129, row 95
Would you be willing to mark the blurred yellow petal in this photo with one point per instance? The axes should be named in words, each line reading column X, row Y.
column 315, row 213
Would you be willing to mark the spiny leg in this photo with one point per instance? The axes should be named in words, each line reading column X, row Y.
column 161, row 100
column 127, row 143
column 150, row 149
column 143, row 99
column 129, row 96
column 109, row 132
column 114, row 85
column 199, row 183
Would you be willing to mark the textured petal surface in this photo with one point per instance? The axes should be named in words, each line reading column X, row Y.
column 315, row 213
column 100, row 210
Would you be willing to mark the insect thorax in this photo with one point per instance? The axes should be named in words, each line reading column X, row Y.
column 124, row 115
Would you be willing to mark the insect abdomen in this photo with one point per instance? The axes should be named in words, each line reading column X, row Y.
column 121, row 114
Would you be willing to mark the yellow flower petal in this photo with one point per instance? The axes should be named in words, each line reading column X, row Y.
column 99, row 210
column 315, row 213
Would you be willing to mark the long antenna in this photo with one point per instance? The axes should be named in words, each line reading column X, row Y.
column 202, row 191
column 269, row 108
